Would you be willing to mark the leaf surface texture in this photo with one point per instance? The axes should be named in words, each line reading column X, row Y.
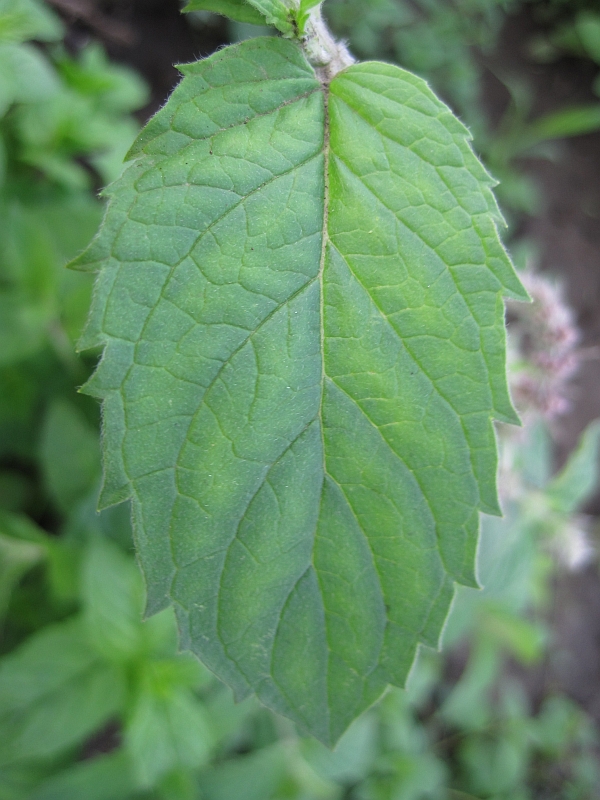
column 300, row 302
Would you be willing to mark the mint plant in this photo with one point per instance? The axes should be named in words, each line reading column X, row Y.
column 300, row 303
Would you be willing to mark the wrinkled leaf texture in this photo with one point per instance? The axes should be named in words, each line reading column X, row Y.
column 300, row 302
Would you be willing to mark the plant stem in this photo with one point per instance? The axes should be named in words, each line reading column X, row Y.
column 322, row 50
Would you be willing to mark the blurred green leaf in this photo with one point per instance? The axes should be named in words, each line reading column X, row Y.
column 468, row 705
column 228, row 718
column 25, row 76
column 253, row 777
column 21, row 20
column 572, row 121
column 578, row 479
column 113, row 597
column 535, row 457
column 587, row 26
column 493, row 766
column 69, row 454
column 17, row 781
column 62, row 720
column 180, row 784
column 167, row 727
column 238, row 10
column 27, row 283
column 557, row 725
column 15, row 489
column 43, row 665
column 353, row 756
column 103, row 778
column 524, row 639
column 406, row 777
column 54, row 693
column 114, row 87
column 21, row 548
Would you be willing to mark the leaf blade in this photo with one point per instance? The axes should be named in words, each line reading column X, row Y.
column 277, row 13
column 299, row 387
column 238, row 10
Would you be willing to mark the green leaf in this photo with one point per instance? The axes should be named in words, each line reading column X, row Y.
column 587, row 26
column 578, row 479
column 25, row 76
column 61, row 721
column 21, row 548
column 254, row 777
column 112, row 593
column 167, row 728
column 114, row 87
column 303, row 13
column 238, row 10
column 277, row 13
column 103, row 778
column 354, row 755
column 21, row 20
column 113, row 599
column 69, row 454
column 43, row 665
column 300, row 299
column 573, row 121
column 54, row 693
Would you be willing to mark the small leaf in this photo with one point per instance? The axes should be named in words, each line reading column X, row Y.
column 300, row 299
column 238, row 10
column 43, row 665
column 276, row 13
column 21, row 20
column 587, row 26
column 25, row 76
column 253, row 777
column 354, row 755
column 106, row 777
column 63, row 720
column 573, row 121
column 113, row 601
column 167, row 728
column 22, row 546
column 54, row 693
column 69, row 454
column 578, row 479
column 306, row 5
column 303, row 13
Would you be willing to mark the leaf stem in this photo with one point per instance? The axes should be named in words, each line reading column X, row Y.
column 321, row 49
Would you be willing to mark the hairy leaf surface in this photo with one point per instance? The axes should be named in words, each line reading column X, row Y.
column 300, row 300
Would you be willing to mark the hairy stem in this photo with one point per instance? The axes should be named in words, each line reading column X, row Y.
column 321, row 49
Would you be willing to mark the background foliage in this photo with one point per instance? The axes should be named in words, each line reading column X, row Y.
column 95, row 703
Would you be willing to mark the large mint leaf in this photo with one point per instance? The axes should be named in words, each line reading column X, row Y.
column 300, row 298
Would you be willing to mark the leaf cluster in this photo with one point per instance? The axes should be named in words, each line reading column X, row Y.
column 95, row 703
